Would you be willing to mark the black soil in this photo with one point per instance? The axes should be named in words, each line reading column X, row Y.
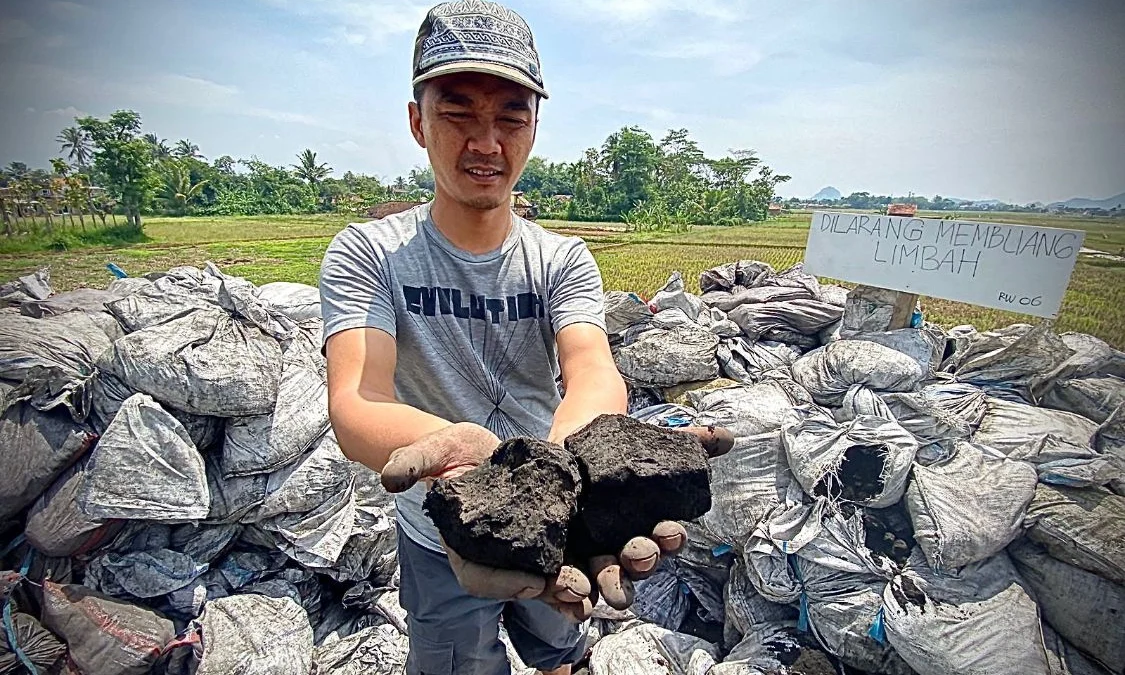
column 812, row 662
column 889, row 532
column 908, row 593
column 634, row 476
column 801, row 655
column 859, row 478
column 705, row 630
column 513, row 512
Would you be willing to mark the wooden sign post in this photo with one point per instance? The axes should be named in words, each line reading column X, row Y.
column 1018, row 268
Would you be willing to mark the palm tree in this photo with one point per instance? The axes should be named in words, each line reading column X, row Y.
column 16, row 171
column 178, row 189
column 185, row 149
column 309, row 170
column 160, row 149
column 76, row 144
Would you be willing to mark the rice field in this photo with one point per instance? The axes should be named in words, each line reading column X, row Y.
column 290, row 249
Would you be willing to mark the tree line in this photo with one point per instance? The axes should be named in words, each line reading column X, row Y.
column 669, row 184
column 870, row 202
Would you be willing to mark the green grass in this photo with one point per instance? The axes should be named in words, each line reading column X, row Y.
column 290, row 249
column 67, row 239
column 244, row 228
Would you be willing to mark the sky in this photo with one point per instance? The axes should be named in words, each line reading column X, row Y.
column 1019, row 100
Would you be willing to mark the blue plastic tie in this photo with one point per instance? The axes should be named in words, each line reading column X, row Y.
column 721, row 549
column 1055, row 479
column 677, row 421
column 10, row 633
column 878, row 631
column 803, row 619
column 116, row 271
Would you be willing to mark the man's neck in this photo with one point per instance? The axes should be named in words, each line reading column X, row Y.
column 471, row 230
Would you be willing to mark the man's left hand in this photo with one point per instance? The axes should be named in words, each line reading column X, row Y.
column 571, row 591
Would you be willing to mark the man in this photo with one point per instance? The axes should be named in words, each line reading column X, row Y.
column 445, row 329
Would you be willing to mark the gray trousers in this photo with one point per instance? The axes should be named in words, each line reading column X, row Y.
column 454, row 632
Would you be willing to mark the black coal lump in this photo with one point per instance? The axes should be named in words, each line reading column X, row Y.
column 634, row 476
column 512, row 512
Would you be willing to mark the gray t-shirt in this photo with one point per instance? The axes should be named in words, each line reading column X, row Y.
column 475, row 334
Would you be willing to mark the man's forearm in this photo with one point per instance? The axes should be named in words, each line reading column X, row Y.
column 593, row 393
column 369, row 429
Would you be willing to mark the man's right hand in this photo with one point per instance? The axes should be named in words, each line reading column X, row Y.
column 445, row 453
column 451, row 452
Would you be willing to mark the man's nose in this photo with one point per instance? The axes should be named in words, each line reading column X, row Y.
column 485, row 139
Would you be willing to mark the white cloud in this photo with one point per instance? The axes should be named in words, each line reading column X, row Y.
column 726, row 58
column 348, row 146
column 184, row 89
column 69, row 112
column 645, row 11
column 727, row 38
column 29, row 110
column 359, row 22
column 203, row 94
column 55, row 41
column 14, row 29
column 68, row 10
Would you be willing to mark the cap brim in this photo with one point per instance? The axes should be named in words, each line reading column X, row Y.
column 499, row 70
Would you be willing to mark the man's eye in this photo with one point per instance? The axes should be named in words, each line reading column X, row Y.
column 513, row 120
column 457, row 115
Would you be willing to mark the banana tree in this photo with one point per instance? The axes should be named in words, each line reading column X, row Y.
column 178, row 190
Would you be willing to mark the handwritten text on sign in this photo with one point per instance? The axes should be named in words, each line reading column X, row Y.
column 1013, row 267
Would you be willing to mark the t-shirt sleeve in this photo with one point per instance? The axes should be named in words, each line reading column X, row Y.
column 355, row 290
column 576, row 288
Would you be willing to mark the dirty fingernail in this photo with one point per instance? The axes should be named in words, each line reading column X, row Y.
column 616, row 588
column 670, row 536
column 568, row 596
column 641, row 553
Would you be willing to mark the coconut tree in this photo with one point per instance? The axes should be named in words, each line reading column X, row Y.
column 76, row 145
column 16, row 171
column 186, row 149
column 308, row 170
column 160, row 149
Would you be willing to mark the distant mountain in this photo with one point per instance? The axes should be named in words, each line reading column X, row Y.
column 830, row 193
column 1116, row 201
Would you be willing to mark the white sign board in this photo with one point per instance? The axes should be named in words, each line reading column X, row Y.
column 1014, row 267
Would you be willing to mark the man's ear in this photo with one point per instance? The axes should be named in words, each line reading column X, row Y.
column 415, row 114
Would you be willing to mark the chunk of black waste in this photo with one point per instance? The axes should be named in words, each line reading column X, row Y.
column 512, row 512
column 635, row 475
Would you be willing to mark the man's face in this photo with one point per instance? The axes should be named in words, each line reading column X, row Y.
column 478, row 131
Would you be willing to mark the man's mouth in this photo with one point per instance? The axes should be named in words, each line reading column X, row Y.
column 484, row 173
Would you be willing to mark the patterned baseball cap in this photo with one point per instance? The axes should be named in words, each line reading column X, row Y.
column 477, row 36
